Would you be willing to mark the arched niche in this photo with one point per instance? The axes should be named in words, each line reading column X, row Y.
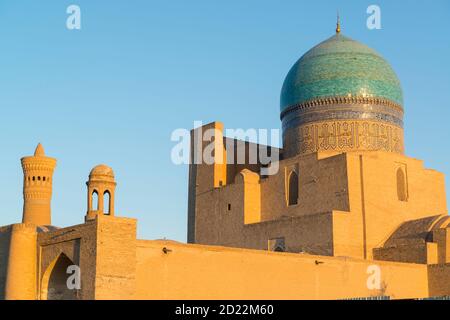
column 54, row 284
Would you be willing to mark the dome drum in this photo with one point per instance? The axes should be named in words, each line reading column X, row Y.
column 317, row 111
column 342, row 136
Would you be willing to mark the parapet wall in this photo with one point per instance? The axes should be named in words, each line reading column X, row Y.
column 171, row 270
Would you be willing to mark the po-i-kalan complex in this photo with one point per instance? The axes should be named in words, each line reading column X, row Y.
column 347, row 215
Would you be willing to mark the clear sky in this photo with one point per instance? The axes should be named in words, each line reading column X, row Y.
column 114, row 91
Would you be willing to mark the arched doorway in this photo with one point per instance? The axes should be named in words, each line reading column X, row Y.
column 54, row 281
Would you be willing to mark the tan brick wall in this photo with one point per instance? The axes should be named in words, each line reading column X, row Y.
column 215, row 224
column 311, row 234
column 116, row 258
column 105, row 251
column 204, row 272
column 360, row 188
column 322, row 187
column 79, row 244
column 5, row 235
column 374, row 205
column 22, row 261
column 412, row 253
column 442, row 237
column 439, row 280
column 205, row 177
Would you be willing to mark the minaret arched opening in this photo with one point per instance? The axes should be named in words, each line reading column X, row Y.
column 94, row 201
column 106, row 203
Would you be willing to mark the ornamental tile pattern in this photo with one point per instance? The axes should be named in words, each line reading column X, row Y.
column 340, row 67
column 343, row 136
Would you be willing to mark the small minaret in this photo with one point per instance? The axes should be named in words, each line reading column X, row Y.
column 101, row 188
column 37, row 187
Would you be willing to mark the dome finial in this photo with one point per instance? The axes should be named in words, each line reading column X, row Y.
column 338, row 24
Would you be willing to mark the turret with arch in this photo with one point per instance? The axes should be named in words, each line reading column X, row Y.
column 101, row 189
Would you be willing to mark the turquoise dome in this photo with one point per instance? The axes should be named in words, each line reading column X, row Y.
column 340, row 67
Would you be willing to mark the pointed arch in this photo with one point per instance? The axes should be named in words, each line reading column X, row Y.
column 54, row 280
column 293, row 189
column 94, row 201
column 402, row 191
column 107, row 202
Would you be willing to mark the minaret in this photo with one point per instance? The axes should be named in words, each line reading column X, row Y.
column 101, row 189
column 37, row 187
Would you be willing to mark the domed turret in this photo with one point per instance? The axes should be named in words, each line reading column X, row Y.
column 343, row 96
column 101, row 192
column 102, row 171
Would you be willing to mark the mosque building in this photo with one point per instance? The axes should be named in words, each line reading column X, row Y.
column 344, row 186
column 346, row 215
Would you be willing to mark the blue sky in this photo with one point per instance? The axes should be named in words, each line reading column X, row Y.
column 114, row 91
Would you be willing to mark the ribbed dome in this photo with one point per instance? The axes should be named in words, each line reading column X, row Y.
column 340, row 67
